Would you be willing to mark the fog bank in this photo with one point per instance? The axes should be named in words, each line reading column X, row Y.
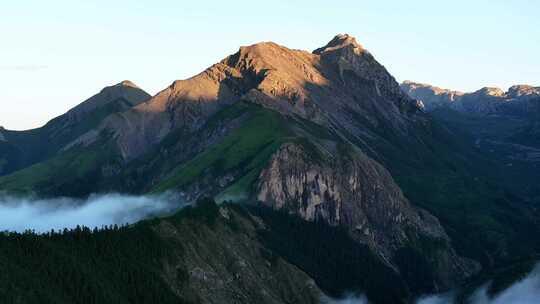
column 348, row 299
column 525, row 291
column 42, row 215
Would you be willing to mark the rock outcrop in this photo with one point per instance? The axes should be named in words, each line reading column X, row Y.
column 355, row 192
column 430, row 96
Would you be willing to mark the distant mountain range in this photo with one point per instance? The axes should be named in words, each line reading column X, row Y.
column 328, row 137
column 504, row 125
column 518, row 100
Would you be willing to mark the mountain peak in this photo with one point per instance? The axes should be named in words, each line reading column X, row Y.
column 125, row 90
column 523, row 90
column 491, row 91
column 338, row 42
column 127, row 83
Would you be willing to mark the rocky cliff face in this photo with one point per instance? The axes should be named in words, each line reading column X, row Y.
column 430, row 96
column 355, row 192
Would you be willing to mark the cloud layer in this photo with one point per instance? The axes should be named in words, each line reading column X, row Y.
column 347, row 299
column 526, row 291
column 42, row 215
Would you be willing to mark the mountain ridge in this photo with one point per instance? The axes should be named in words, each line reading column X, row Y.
column 289, row 81
column 487, row 100
column 21, row 149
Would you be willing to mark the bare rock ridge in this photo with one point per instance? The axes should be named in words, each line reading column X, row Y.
column 338, row 42
column 127, row 83
column 344, row 52
column 488, row 100
column 329, row 86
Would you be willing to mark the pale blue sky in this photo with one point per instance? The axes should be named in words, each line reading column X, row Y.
column 55, row 54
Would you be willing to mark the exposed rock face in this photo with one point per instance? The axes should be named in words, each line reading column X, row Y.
column 347, row 55
column 518, row 100
column 357, row 193
column 430, row 96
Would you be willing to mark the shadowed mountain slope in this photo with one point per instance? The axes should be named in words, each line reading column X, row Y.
column 20, row 149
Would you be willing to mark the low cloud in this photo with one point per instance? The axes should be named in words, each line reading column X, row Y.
column 42, row 215
column 525, row 291
column 347, row 299
column 437, row 299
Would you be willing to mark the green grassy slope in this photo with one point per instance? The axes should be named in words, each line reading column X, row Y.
column 245, row 149
column 25, row 148
column 77, row 172
column 470, row 193
column 236, row 143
